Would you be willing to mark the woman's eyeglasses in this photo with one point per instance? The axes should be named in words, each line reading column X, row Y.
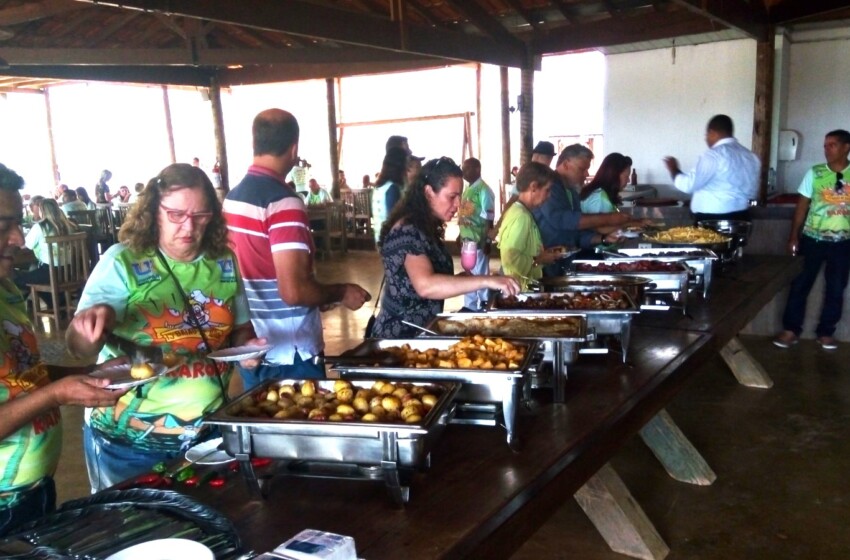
column 180, row 216
column 839, row 183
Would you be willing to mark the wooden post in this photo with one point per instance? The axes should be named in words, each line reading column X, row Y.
column 330, row 86
column 744, row 367
column 618, row 517
column 526, row 116
column 169, row 129
column 50, row 143
column 763, row 110
column 677, row 454
column 218, row 131
column 506, row 128
column 478, row 115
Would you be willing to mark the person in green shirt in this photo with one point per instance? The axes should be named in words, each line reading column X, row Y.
column 520, row 246
column 475, row 218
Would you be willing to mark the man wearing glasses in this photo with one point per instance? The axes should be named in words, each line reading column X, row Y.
column 823, row 213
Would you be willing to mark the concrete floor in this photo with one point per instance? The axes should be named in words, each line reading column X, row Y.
column 780, row 454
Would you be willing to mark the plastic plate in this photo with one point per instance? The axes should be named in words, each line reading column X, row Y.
column 120, row 376
column 239, row 353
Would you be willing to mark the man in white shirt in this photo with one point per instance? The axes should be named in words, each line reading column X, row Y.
column 726, row 176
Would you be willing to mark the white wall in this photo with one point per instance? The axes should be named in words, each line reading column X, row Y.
column 658, row 102
column 818, row 101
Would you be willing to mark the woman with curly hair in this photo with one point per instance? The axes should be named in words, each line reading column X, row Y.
column 602, row 194
column 172, row 283
column 418, row 269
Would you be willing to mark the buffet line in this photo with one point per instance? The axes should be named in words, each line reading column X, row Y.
column 393, row 398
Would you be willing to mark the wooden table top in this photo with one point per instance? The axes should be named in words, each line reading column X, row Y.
column 738, row 293
column 479, row 499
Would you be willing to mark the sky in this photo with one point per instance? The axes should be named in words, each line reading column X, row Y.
column 122, row 128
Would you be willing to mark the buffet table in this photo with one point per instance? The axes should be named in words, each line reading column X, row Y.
column 480, row 499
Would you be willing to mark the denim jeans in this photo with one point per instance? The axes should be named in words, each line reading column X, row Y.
column 299, row 369
column 109, row 462
column 27, row 506
column 836, row 256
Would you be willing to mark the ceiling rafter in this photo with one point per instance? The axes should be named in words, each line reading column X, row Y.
column 107, row 32
column 32, row 11
column 749, row 17
column 525, row 14
column 424, row 13
column 565, row 10
column 787, row 12
column 482, row 19
column 651, row 26
column 313, row 20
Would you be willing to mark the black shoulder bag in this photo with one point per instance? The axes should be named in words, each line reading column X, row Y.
column 195, row 323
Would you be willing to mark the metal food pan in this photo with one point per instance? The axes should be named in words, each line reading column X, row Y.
column 361, row 443
column 672, row 281
column 630, row 308
column 566, row 328
column 699, row 259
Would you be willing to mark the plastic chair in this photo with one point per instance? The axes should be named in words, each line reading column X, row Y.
column 69, row 269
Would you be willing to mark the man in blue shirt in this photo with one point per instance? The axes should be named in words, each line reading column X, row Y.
column 560, row 219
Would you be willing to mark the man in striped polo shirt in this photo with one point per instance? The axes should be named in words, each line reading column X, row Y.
column 270, row 233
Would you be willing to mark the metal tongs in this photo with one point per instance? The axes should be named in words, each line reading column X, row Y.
column 137, row 354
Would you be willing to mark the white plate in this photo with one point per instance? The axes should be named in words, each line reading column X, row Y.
column 629, row 234
column 198, row 454
column 239, row 353
column 120, row 375
column 165, row 549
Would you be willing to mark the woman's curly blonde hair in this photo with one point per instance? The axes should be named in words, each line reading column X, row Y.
column 140, row 231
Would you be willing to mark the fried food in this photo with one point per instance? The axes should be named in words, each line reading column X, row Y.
column 574, row 301
column 141, row 371
column 473, row 352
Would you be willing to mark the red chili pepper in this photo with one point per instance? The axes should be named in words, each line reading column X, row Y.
column 260, row 462
column 147, row 479
column 217, row 482
column 192, row 480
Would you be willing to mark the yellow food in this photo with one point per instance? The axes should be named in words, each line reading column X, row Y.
column 688, row 234
column 141, row 371
column 472, row 352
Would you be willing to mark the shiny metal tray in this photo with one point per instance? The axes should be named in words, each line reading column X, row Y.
column 495, row 305
column 350, row 442
column 699, row 259
column 502, row 387
column 566, row 328
column 664, row 281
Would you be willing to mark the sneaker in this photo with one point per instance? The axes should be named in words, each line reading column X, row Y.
column 785, row 339
column 827, row 343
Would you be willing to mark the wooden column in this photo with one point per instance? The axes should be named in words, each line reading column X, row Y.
column 478, row 115
column 218, row 131
column 763, row 110
column 526, row 116
column 169, row 130
column 50, row 143
column 506, row 128
column 332, row 136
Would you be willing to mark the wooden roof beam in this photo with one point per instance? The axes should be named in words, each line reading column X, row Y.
column 483, row 20
column 648, row 27
column 186, row 76
column 319, row 21
column 787, row 12
column 749, row 17
column 120, row 22
column 565, row 10
column 525, row 14
column 32, row 11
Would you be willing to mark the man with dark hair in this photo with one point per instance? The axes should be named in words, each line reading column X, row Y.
column 30, row 391
column 725, row 178
column 560, row 219
column 823, row 216
column 544, row 152
column 270, row 233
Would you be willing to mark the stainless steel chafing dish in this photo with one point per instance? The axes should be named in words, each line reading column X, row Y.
column 502, row 387
column 379, row 451
column 674, row 282
column 699, row 259
column 562, row 335
column 616, row 322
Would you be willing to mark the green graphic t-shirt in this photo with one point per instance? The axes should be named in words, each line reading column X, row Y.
column 829, row 211
column 161, row 415
column 477, row 207
column 32, row 452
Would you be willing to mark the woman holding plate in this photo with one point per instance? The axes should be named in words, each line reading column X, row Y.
column 171, row 284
